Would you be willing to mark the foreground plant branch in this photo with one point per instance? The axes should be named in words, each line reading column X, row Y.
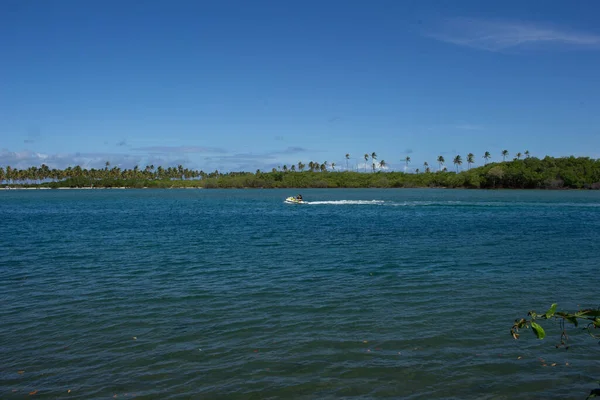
column 590, row 317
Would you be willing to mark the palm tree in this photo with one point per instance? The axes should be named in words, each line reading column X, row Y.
column 382, row 164
column 470, row 160
column 311, row 166
column 366, row 160
column 407, row 160
column 426, row 165
column 527, row 153
column 284, row 168
column 441, row 161
column 293, row 168
column 347, row 158
column 417, row 171
column 486, row 157
column 519, row 156
column 324, row 166
column 457, row 161
column 373, row 158
column 301, row 166
column 504, row 155
column 333, row 166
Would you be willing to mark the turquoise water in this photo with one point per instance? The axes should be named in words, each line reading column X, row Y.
column 233, row 294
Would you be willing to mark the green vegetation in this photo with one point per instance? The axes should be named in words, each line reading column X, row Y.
column 527, row 173
column 587, row 319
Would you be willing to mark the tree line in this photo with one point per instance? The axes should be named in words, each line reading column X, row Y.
column 523, row 173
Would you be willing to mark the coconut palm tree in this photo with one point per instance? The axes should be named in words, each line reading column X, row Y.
column 470, row 160
column 504, row 155
column 347, row 158
column 426, row 165
column 366, row 160
column 301, row 166
column 457, row 161
column 519, row 156
column 373, row 158
column 527, row 153
column 417, row 171
column 486, row 157
column 441, row 161
column 407, row 160
column 324, row 166
column 382, row 164
column 333, row 166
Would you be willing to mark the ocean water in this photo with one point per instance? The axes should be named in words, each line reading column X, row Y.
column 233, row 294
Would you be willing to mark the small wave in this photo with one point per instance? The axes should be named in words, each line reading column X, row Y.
column 345, row 202
column 486, row 204
column 445, row 204
column 425, row 203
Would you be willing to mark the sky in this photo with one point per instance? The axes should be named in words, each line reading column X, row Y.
column 244, row 85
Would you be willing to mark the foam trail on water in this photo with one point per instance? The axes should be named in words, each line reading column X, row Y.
column 344, row 202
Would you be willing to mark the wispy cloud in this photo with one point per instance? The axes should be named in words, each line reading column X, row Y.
column 179, row 149
column 27, row 158
column 205, row 158
column 494, row 35
column 292, row 150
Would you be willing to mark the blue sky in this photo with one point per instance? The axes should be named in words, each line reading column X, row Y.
column 246, row 85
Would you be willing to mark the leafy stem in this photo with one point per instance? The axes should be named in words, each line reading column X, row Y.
column 533, row 319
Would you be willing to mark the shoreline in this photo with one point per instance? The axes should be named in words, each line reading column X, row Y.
column 289, row 188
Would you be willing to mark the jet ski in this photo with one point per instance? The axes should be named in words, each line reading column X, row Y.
column 293, row 200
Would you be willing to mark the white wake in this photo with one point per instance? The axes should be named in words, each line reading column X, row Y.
column 346, row 202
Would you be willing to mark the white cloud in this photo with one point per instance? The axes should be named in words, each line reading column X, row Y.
column 28, row 158
column 204, row 158
column 179, row 149
column 493, row 35
column 369, row 166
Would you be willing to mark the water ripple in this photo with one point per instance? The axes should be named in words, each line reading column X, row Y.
column 232, row 294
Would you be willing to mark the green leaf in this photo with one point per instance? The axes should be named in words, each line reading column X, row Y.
column 538, row 330
column 551, row 311
column 588, row 313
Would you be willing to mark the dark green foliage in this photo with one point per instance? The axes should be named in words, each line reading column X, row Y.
column 528, row 173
